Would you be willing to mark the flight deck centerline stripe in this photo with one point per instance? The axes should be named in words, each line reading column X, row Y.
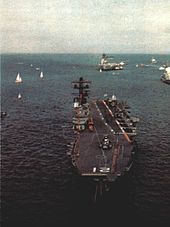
column 124, row 133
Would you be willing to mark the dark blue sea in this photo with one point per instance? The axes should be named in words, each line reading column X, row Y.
column 39, row 186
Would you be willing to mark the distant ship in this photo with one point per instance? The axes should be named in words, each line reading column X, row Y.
column 104, row 146
column 166, row 76
column 105, row 65
column 18, row 78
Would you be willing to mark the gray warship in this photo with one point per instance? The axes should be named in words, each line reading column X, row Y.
column 104, row 144
column 106, row 65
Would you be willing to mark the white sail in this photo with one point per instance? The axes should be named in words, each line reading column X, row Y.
column 18, row 78
column 19, row 96
column 41, row 75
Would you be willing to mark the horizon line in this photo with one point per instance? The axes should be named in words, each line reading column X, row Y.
column 150, row 53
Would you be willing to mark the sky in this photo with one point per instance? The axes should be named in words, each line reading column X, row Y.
column 85, row 26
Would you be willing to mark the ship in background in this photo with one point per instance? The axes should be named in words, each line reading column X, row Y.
column 104, row 146
column 166, row 76
column 106, row 65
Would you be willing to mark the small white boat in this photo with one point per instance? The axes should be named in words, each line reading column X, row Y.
column 153, row 60
column 122, row 63
column 18, row 78
column 19, row 96
column 41, row 75
column 161, row 68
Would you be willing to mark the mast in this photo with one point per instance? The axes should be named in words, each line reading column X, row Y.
column 81, row 118
column 83, row 88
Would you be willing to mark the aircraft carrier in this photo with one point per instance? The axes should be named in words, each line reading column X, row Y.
column 105, row 132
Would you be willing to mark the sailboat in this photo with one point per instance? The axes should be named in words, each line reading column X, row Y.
column 166, row 76
column 19, row 96
column 18, row 78
column 41, row 75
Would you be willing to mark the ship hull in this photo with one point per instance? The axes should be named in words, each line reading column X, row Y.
column 109, row 68
column 165, row 80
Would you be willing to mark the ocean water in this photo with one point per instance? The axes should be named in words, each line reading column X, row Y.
column 39, row 187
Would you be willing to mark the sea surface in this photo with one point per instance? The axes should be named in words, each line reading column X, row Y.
column 39, row 186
